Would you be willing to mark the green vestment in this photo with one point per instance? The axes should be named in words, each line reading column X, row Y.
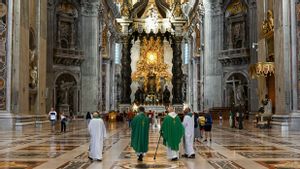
column 172, row 132
column 140, row 133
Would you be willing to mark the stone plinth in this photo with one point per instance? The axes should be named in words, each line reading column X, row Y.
column 64, row 108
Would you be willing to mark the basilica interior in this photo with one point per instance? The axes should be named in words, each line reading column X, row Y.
column 224, row 57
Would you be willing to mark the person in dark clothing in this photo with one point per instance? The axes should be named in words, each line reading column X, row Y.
column 208, row 125
column 63, row 123
column 88, row 117
column 196, row 127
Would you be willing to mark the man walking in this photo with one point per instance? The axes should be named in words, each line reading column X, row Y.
column 97, row 132
column 188, row 123
column 140, row 133
column 172, row 131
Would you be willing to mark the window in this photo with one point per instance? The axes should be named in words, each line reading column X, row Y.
column 118, row 52
column 186, row 54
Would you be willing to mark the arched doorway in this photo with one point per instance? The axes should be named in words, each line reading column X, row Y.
column 236, row 90
column 67, row 94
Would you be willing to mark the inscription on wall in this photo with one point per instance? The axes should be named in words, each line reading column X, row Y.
column 3, row 53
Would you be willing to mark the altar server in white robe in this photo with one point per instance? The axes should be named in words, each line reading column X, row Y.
column 188, row 123
column 97, row 132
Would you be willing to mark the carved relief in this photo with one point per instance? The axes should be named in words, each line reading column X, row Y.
column 235, row 21
column 90, row 9
column 3, row 54
column 66, row 25
column 236, row 7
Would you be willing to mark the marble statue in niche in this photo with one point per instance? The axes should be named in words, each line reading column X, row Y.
column 64, row 90
column 268, row 24
column 65, row 31
column 34, row 77
column 240, row 94
column 33, row 69
column 237, row 35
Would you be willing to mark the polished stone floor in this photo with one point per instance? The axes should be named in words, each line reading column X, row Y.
column 39, row 147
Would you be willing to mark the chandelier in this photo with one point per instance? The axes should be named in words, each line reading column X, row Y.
column 262, row 69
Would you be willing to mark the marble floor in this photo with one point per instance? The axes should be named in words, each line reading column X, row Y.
column 253, row 148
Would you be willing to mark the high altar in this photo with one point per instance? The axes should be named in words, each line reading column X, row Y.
column 151, row 60
column 152, row 73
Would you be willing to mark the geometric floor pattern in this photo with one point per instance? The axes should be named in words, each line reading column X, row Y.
column 253, row 148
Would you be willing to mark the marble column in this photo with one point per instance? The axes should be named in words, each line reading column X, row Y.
column 90, row 70
column 213, row 42
column 295, row 59
column 261, row 50
column 126, row 70
column 196, row 80
column 50, row 84
column 282, row 57
column 113, row 97
column 20, row 80
column 41, row 46
column 253, row 37
column 177, row 71
column 108, row 86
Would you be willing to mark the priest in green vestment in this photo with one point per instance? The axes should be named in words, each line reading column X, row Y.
column 172, row 131
column 140, row 133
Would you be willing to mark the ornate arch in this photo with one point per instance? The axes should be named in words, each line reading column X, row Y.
column 244, row 73
column 228, row 2
column 74, row 75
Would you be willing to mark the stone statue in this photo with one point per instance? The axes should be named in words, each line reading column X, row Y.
column 268, row 24
column 166, row 95
column 125, row 11
column 177, row 10
column 64, row 91
column 33, row 77
column 240, row 94
column 32, row 56
column 267, row 105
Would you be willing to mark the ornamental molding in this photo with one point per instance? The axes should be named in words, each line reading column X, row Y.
column 90, row 9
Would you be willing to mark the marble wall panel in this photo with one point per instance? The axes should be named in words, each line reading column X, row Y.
column 3, row 53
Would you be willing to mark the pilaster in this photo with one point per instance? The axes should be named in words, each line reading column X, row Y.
column 90, row 67
column 282, row 57
column 213, row 42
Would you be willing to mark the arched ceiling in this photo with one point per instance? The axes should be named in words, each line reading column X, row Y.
column 139, row 7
